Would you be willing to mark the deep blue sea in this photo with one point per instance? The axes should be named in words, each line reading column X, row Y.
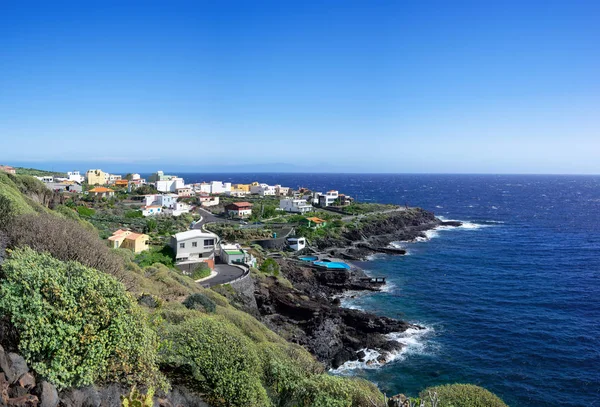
column 511, row 300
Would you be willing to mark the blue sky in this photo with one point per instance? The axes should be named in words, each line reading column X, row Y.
column 357, row 86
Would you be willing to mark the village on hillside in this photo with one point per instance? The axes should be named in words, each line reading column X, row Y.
column 209, row 230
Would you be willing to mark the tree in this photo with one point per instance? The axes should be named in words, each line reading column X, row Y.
column 151, row 225
column 270, row 266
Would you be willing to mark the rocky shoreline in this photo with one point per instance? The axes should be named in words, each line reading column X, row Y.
column 309, row 312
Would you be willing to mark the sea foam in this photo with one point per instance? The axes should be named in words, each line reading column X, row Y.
column 414, row 341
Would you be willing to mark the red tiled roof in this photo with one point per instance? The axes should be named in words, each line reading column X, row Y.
column 240, row 204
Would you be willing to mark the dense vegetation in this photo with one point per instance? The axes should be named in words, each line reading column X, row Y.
column 463, row 395
column 85, row 314
column 76, row 325
column 38, row 173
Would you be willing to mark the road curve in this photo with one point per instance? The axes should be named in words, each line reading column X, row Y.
column 225, row 274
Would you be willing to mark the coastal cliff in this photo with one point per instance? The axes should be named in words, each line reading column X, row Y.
column 309, row 313
column 374, row 233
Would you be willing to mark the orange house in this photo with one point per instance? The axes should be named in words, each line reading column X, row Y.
column 102, row 192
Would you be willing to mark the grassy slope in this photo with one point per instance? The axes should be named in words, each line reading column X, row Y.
column 286, row 370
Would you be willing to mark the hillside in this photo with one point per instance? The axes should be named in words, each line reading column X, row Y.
column 94, row 326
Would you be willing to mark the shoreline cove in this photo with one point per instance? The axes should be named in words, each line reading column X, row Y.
column 411, row 338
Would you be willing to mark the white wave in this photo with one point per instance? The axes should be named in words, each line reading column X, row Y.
column 465, row 224
column 413, row 342
column 388, row 287
column 396, row 245
column 375, row 256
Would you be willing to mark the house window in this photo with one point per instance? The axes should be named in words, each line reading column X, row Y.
column 209, row 242
column 194, row 244
column 182, row 245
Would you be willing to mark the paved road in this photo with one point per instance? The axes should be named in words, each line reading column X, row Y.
column 225, row 274
column 208, row 217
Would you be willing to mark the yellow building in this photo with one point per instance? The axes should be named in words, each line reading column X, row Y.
column 96, row 177
column 136, row 242
column 241, row 187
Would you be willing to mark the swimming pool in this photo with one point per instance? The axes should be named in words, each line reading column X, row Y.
column 332, row 264
column 309, row 258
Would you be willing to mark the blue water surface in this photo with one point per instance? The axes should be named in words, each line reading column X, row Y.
column 512, row 300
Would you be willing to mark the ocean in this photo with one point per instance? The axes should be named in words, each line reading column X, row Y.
column 510, row 300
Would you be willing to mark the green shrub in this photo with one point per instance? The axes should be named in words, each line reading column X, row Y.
column 163, row 255
column 85, row 212
column 67, row 212
column 200, row 302
column 137, row 399
column 134, row 214
column 76, row 325
column 270, row 266
column 222, row 362
column 463, row 395
column 201, row 271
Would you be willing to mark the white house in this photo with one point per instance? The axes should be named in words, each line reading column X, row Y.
column 135, row 177
column 207, row 200
column 194, row 246
column 202, row 188
column 263, row 190
column 295, row 205
column 329, row 198
column 178, row 208
column 170, row 185
column 237, row 193
column 218, row 187
column 296, row 243
column 163, row 200
column 239, row 209
column 151, row 210
column 75, row 176
column 46, row 178
column 111, row 178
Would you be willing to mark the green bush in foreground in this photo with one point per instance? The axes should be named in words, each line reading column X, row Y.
column 463, row 395
column 222, row 361
column 77, row 325
column 236, row 361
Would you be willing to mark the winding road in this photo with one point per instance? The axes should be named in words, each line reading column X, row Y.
column 225, row 274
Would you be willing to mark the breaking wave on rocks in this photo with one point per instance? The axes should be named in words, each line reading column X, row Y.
column 466, row 225
column 413, row 340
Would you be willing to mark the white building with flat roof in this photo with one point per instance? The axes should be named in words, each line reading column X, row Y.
column 295, row 205
column 170, row 185
column 75, row 176
column 194, row 245
column 263, row 190
column 296, row 243
column 328, row 198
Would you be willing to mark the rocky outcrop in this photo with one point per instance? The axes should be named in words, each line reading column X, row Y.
column 308, row 315
column 374, row 234
column 19, row 387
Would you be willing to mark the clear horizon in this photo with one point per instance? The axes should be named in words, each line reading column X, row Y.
column 352, row 87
